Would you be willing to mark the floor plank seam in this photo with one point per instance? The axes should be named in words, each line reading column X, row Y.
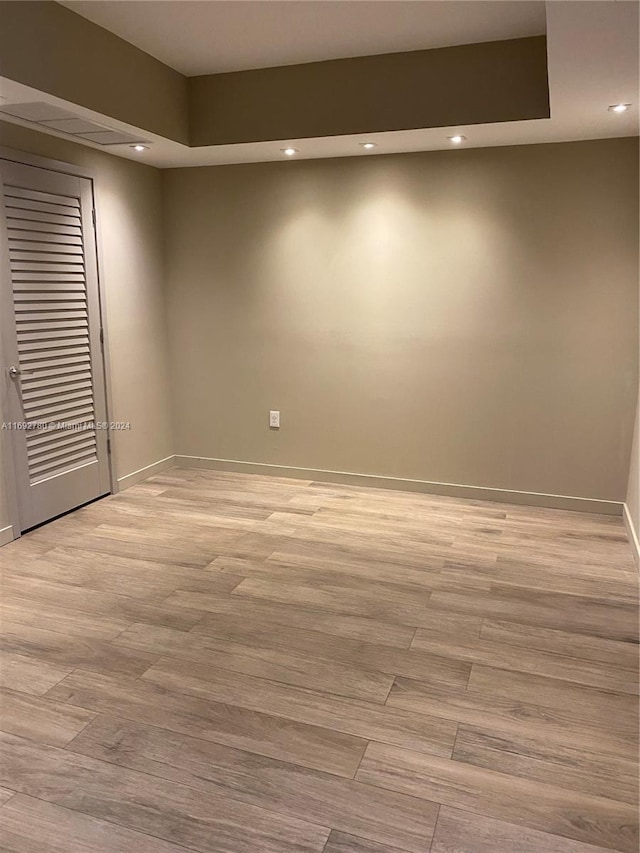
column 435, row 828
column 455, row 741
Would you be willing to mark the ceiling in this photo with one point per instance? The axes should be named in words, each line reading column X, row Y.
column 196, row 37
column 593, row 62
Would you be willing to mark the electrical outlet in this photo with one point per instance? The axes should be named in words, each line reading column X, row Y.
column 274, row 420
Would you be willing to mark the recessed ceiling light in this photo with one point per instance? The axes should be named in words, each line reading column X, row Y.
column 457, row 139
column 289, row 151
column 619, row 108
column 139, row 147
column 368, row 145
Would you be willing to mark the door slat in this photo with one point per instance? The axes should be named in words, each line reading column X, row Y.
column 37, row 195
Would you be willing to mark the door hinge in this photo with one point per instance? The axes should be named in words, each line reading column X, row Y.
column 108, row 445
column 102, row 335
column 93, row 217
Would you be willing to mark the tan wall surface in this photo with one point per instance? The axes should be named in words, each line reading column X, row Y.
column 49, row 47
column 129, row 205
column 487, row 82
column 633, row 487
column 464, row 316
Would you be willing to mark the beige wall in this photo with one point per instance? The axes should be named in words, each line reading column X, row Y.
column 51, row 48
column 633, row 485
column 633, row 489
column 463, row 316
column 48, row 47
column 129, row 205
column 486, row 82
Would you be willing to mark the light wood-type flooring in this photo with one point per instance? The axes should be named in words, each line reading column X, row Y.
column 225, row 663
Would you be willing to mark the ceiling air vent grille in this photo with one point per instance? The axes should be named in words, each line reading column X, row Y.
column 50, row 117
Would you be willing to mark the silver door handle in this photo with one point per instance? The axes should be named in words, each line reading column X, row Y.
column 16, row 371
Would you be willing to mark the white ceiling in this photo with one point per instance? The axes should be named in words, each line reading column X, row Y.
column 197, row 37
column 592, row 60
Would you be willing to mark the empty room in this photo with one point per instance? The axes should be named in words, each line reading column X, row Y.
column 319, row 445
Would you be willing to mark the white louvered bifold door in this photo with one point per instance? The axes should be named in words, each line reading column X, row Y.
column 54, row 367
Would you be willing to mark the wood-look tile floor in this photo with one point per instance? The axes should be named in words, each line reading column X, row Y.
column 233, row 664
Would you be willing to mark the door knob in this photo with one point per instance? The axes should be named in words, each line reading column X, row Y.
column 15, row 371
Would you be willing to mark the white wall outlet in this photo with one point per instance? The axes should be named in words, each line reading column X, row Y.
column 274, row 420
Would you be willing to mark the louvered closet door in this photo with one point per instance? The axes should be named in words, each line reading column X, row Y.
column 54, row 372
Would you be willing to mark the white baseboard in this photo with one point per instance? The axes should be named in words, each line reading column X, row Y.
column 142, row 473
column 6, row 535
column 375, row 481
column 407, row 485
column 633, row 534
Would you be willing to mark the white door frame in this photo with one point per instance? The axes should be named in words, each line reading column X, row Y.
column 9, row 475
